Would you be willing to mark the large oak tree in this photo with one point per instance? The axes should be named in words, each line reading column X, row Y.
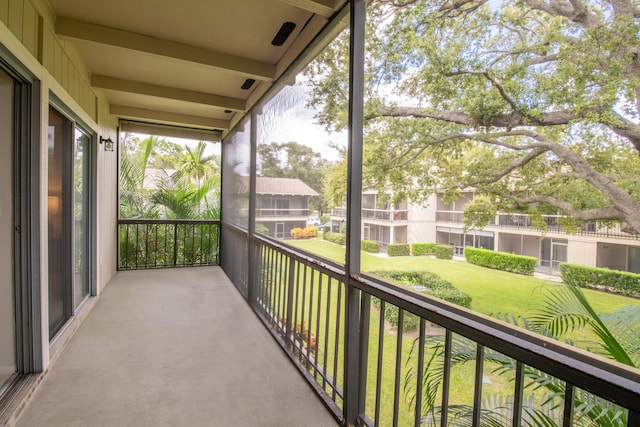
column 534, row 104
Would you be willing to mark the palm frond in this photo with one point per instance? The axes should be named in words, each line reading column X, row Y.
column 624, row 325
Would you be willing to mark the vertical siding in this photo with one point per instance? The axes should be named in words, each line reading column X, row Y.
column 30, row 28
column 48, row 43
column 23, row 20
column 4, row 11
column 14, row 23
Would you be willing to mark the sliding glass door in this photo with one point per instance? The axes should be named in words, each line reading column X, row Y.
column 7, row 307
column 69, row 154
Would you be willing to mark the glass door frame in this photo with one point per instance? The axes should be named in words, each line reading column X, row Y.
column 26, row 238
column 77, row 124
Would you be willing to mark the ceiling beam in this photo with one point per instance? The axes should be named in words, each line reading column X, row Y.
column 74, row 29
column 167, row 117
column 325, row 8
column 130, row 86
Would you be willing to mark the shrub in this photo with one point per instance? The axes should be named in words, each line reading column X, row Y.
column 501, row 261
column 434, row 285
column 452, row 295
column 370, row 246
column 326, row 229
column 309, row 232
column 418, row 249
column 443, row 251
column 621, row 282
column 409, row 321
column 306, row 233
column 400, row 249
column 296, row 233
column 335, row 238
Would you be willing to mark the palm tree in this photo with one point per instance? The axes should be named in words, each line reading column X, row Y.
column 564, row 311
column 182, row 200
column 196, row 165
column 134, row 203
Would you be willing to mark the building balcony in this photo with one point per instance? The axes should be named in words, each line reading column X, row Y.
column 378, row 216
column 278, row 337
column 280, row 215
column 173, row 347
column 523, row 222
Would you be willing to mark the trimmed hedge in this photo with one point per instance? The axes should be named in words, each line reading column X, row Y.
column 621, row 282
column 418, row 249
column 370, row 246
column 501, row 261
column 440, row 251
column 334, row 238
column 435, row 285
column 398, row 249
column 443, row 252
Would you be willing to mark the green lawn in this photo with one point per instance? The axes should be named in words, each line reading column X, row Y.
column 492, row 291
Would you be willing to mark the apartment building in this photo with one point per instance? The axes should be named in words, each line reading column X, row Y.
column 593, row 245
column 282, row 205
column 388, row 223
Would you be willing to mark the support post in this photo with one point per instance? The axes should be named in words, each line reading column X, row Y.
column 354, row 351
column 255, row 264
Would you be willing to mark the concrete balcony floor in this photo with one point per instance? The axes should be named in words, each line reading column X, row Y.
column 173, row 347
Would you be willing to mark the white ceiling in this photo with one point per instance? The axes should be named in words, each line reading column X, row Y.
column 184, row 62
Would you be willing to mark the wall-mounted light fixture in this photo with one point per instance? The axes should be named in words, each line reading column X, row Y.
column 108, row 143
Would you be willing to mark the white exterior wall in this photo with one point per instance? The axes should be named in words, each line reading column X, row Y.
column 581, row 251
column 421, row 222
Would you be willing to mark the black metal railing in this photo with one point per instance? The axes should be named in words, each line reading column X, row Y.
column 303, row 302
column 294, row 212
column 424, row 362
column 158, row 243
column 384, row 215
column 448, row 366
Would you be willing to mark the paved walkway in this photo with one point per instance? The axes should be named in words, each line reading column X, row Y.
column 173, row 347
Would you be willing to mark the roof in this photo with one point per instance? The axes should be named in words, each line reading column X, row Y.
column 284, row 186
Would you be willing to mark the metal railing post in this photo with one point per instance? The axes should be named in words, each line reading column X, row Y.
column 175, row 244
column 289, row 316
column 353, row 317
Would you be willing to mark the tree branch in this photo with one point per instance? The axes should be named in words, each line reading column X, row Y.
column 575, row 10
column 626, row 129
column 494, row 82
column 515, row 164
column 623, row 202
column 606, row 212
column 508, row 121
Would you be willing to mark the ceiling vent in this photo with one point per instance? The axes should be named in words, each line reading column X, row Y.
column 284, row 33
column 247, row 84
